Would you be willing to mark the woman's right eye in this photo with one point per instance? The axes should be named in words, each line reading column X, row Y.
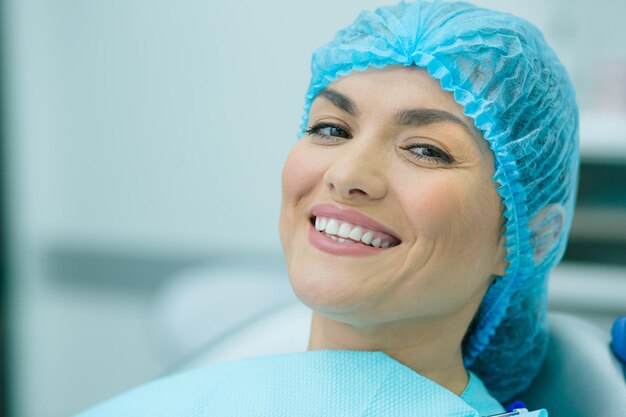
column 328, row 131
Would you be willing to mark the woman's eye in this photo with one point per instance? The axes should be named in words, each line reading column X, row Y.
column 429, row 153
column 328, row 131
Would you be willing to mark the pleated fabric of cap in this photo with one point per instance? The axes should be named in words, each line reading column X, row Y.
column 510, row 82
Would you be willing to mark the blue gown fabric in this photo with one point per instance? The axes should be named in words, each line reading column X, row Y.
column 510, row 82
column 320, row 383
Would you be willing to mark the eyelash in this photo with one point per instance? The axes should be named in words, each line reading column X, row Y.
column 440, row 158
column 316, row 131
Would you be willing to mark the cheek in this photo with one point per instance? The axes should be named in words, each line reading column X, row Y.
column 436, row 208
column 456, row 211
column 458, row 222
column 300, row 174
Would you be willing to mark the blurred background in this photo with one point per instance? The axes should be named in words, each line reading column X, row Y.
column 142, row 143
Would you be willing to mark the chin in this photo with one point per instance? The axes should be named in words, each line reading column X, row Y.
column 327, row 293
column 319, row 291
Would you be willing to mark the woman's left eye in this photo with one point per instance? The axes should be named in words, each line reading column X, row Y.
column 430, row 153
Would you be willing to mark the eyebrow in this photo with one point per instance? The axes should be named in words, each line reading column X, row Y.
column 424, row 116
column 405, row 117
column 339, row 100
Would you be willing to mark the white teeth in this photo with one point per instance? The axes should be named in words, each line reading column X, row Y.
column 356, row 233
column 337, row 239
column 340, row 232
column 332, row 227
column 320, row 223
column 344, row 229
column 367, row 237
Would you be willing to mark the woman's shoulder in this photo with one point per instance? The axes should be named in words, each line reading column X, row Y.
column 346, row 383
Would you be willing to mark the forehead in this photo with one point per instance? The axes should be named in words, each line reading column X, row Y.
column 398, row 86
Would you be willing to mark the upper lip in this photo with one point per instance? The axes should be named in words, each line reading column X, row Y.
column 351, row 216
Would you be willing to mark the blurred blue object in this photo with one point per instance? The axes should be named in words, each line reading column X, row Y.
column 618, row 335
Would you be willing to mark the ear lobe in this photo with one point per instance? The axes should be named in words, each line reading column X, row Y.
column 545, row 228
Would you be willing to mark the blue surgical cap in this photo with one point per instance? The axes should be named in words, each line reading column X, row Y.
column 509, row 81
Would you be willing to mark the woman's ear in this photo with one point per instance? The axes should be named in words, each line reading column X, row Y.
column 545, row 228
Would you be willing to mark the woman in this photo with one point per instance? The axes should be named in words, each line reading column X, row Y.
column 428, row 198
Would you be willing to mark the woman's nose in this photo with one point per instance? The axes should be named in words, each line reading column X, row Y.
column 357, row 172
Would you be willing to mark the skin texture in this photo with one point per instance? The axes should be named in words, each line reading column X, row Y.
column 430, row 184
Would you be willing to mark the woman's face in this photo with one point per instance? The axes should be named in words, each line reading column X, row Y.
column 390, row 154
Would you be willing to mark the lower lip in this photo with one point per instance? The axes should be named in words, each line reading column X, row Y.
column 349, row 248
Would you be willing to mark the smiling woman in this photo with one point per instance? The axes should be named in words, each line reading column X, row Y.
column 390, row 157
column 429, row 196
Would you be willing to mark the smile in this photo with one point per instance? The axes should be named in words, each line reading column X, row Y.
column 344, row 232
column 348, row 232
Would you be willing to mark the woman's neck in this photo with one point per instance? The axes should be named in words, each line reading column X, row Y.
column 433, row 350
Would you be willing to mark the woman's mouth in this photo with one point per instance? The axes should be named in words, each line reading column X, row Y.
column 344, row 232
column 348, row 232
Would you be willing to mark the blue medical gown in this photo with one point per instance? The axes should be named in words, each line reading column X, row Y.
column 319, row 383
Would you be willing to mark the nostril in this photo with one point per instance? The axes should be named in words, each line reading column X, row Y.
column 356, row 191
